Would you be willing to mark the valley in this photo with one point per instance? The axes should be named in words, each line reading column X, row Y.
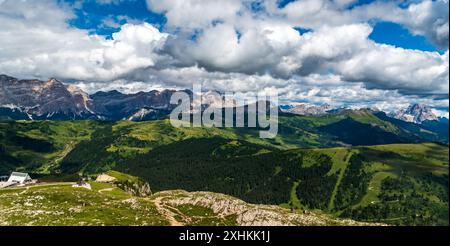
column 396, row 176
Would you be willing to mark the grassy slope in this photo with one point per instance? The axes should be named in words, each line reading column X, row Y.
column 60, row 204
column 412, row 159
column 40, row 146
column 420, row 175
column 127, row 139
column 121, row 139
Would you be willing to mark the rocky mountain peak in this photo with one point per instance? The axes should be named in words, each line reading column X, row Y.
column 5, row 77
column 51, row 82
column 416, row 113
column 308, row 109
column 43, row 99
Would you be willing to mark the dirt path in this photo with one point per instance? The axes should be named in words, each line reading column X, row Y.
column 169, row 215
column 38, row 185
column 107, row 189
column 339, row 180
column 24, row 191
column 67, row 149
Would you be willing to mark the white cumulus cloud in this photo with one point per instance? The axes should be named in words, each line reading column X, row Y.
column 44, row 45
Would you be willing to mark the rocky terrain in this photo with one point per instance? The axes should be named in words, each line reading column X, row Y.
column 416, row 113
column 54, row 100
column 225, row 207
column 306, row 109
column 114, row 105
column 106, row 204
column 44, row 99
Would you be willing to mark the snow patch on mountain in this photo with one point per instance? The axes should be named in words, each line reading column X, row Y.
column 141, row 114
column 307, row 109
column 416, row 113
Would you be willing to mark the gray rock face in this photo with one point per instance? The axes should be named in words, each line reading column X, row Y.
column 139, row 188
column 43, row 99
column 114, row 105
column 306, row 109
column 416, row 113
column 35, row 99
column 250, row 214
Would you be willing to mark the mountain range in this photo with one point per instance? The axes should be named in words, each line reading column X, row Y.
column 54, row 100
column 318, row 126
column 415, row 113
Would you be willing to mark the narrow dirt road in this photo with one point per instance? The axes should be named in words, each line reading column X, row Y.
column 169, row 215
column 107, row 189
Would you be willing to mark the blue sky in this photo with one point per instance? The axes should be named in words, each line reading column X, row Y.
column 92, row 15
column 396, row 35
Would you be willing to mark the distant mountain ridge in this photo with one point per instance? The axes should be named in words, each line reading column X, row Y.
column 307, row 109
column 53, row 100
column 35, row 99
column 416, row 113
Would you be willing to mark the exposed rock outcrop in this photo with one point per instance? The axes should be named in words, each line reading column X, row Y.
column 105, row 178
column 140, row 189
column 250, row 214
